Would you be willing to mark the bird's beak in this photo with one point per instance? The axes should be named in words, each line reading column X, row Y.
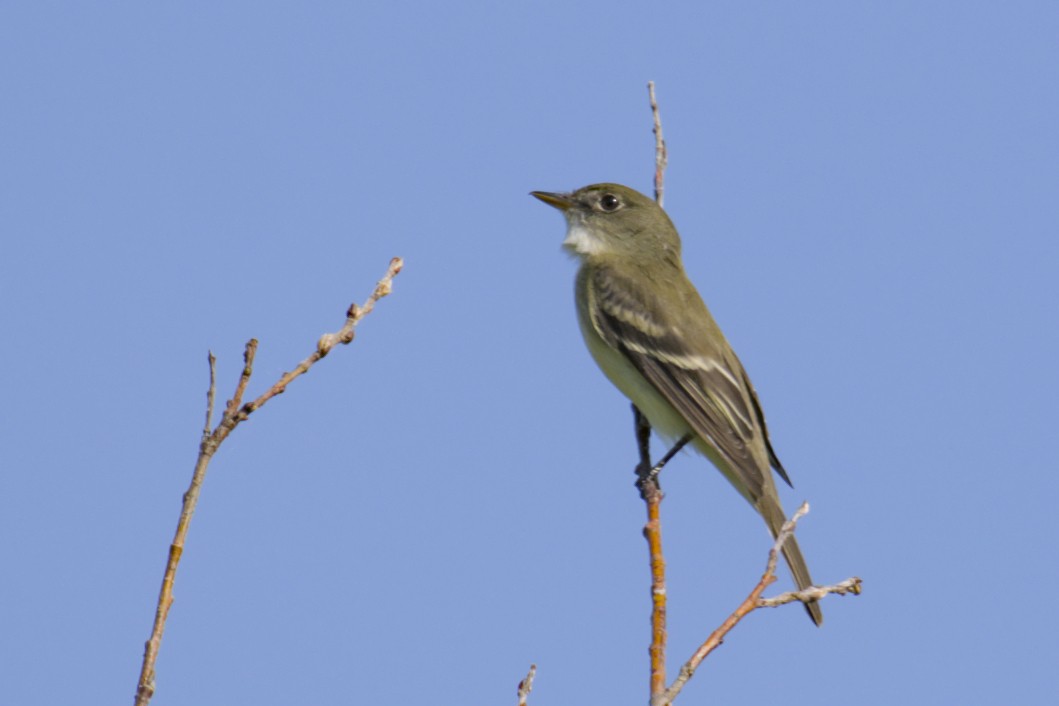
column 563, row 202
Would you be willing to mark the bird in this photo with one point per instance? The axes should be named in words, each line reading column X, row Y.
column 650, row 332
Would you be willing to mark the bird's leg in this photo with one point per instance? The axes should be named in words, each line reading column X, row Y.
column 643, row 444
column 647, row 474
column 681, row 443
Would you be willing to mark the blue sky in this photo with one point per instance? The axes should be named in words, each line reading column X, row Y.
column 867, row 196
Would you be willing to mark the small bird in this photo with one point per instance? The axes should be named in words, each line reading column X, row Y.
column 650, row 332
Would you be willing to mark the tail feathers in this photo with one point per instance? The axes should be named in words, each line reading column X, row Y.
column 793, row 554
column 772, row 512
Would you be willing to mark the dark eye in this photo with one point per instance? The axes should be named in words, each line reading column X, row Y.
column 609, row 202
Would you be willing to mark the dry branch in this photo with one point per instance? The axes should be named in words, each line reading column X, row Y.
column 813, row 593
column 754, row 601
column 526, row 686
column 661, row 153
column 235, row 412
column 647, row 475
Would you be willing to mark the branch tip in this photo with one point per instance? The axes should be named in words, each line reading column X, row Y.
column 661, row 153
column 526, row 685
column 814, row 593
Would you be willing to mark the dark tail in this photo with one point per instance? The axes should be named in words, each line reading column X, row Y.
column 773, row 513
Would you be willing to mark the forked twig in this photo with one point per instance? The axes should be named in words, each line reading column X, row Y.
column 745, row 608
column 754, row 601
column 813, row 593
column 234, row 413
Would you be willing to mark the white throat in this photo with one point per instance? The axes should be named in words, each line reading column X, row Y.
column 581, row 241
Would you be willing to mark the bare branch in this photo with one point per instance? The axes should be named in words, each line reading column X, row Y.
column 652, row 532
column 327, row 342
column 661, row 154
column 748, row 605
column 235, row 412
column 355, row 313
column 211, row 395
column 647, row 476
column 526, row 686
column 813, row 593
column 248, row 369
column 786, row 531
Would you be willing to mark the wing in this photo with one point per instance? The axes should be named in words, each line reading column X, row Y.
column 687, row 360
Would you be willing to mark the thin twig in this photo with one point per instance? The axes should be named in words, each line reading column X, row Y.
column 211, row 394
column 244, row 379
column 647, row 476
column 526, row 686
column 327, row 342
column 661, row 154
column 813, row 593
column 235, row 412
column 745, row 608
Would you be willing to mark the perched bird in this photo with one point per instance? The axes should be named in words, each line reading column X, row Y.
column 652, row 335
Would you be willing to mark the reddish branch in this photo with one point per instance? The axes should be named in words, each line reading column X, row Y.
column 651, row 492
